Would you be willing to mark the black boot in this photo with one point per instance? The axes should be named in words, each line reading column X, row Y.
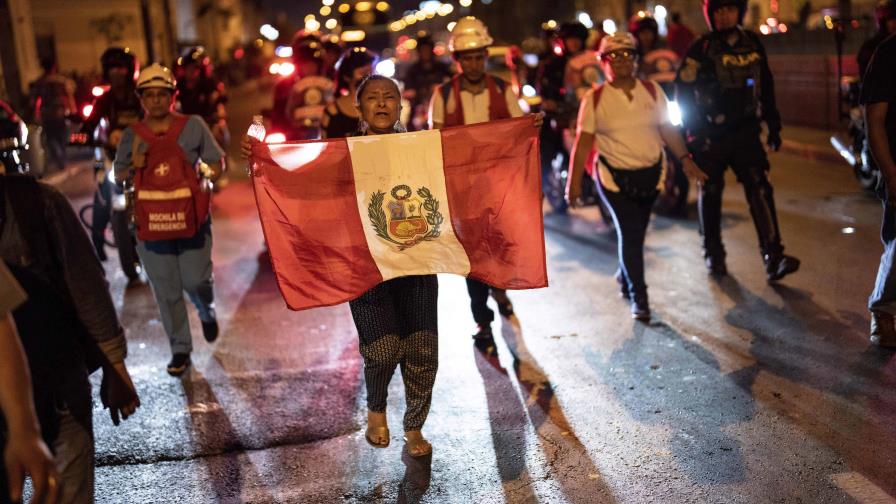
column 778, row 266
column 623, row 286
column 640, row 308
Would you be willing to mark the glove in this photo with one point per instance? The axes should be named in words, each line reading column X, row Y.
column 774, row 140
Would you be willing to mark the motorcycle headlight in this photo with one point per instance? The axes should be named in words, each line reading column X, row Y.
column 674, row 113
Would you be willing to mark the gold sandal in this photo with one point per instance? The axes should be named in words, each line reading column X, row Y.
column 377, row 433
column 417, row 446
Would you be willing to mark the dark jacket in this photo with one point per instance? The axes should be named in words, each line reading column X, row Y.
column 74, row 266
column 722, row 87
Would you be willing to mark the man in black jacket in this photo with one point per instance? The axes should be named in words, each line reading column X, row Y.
column 68, row 326
column 879, row 99
column 725, row 90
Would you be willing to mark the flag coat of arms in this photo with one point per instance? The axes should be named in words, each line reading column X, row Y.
column 343, row 215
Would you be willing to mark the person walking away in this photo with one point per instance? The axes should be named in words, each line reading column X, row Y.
column 725, row 89
column 422, row 78
column 22, row 448
column 174, row 235
column 879, row 100
column 341, row 117
column 397, row 321
column 52, row 98
column 473, row 96
column 120, row 108
column 43, row 243
column 626, row 121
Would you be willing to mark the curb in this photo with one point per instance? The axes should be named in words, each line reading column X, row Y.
column 812, row 152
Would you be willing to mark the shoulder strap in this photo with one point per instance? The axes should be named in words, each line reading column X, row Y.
column 598, row 91
column 177, row 126
column 178, row 123
column 651, row 88
column 499, row 82
column 445, row 90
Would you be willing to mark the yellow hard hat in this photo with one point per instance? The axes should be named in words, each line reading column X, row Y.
column 469, row 33
column 156, row 76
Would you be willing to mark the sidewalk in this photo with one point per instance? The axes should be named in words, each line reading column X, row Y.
column 810, row 143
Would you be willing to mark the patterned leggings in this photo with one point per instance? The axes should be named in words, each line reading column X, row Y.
column 397, row 324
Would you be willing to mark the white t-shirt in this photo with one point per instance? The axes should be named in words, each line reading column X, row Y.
column 475, row 105
column 626, row 132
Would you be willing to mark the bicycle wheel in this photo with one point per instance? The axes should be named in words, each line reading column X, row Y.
column 86, row 216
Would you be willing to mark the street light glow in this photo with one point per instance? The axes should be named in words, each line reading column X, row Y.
column 269, row 32
column 609, row 26
column 331, row 24
column 312, row 25
column 283, row 51
column 465, row 3
column 353, row 35
column 585, row 19
column 325, row 10
column 451, row 25
column 328, row 2
column 660, row 12
column 386, row 68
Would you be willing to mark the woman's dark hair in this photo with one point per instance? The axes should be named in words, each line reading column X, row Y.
column 362, row 126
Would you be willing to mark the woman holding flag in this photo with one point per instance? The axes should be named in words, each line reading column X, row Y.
column 397, row 319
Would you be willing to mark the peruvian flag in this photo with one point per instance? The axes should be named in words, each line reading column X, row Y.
column 343, row 215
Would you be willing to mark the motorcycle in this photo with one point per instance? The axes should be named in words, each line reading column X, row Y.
column 13, row 141
column 853, row 147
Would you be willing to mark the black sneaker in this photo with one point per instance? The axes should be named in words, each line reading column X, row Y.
column 210, row 330
column 716, row 265
column 777, row 267
column 179, row 363
column 641, row 310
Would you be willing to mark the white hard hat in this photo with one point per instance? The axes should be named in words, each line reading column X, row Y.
column 156, row 76
column 469, row 33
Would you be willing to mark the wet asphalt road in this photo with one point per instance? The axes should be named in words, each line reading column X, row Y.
column 737, row 391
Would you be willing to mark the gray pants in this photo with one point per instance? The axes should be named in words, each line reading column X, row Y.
column 175, row 266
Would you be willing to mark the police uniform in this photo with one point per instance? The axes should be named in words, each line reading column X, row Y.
column 725, row 89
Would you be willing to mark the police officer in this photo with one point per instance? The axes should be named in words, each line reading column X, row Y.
column 726, row 89
column 120, row 107
column 299, row 101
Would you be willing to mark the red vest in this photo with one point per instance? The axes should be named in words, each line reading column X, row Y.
column 497, row 104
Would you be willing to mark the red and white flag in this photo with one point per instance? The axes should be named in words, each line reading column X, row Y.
column 343, row 215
